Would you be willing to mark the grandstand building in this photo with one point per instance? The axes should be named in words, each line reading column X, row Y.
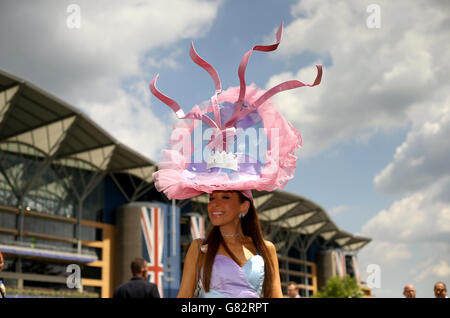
column 72, row 194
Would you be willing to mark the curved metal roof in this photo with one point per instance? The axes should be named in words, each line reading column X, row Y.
column 298, row 215
column 31, row 116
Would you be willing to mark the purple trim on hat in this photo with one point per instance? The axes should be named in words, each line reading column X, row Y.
column 248, row 194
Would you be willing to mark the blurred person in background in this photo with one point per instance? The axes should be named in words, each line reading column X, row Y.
column 2, row 286
column 292, row 290
column 440, row 290
column 138, row 286
column 409, row 291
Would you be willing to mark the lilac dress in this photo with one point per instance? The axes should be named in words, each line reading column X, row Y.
column 229, row 280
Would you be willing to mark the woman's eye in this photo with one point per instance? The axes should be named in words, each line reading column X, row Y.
column 223, row 197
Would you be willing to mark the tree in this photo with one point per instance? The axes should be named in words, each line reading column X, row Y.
column 337, row 287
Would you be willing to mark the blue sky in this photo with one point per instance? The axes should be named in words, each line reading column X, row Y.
column 375, row 131
column 343, row 176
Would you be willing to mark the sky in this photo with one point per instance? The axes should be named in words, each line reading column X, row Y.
column 376, row 131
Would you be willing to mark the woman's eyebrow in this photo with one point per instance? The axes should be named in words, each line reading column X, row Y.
column 223, row 192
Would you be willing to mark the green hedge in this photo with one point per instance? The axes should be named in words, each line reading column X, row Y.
column 51, row 293
column 337, row 287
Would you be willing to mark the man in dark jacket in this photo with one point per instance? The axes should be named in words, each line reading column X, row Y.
column 138, row 286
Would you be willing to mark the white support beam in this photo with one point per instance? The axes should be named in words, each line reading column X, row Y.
column 276, row 213
column 296, row 221
column 144, row 173
column 98, row 157
column 20, row 148
column 6, row 98
column 261, row 200
column 311, row 229
column 328, row 235
column 355, row 246
column 202, row 198
column 342, row 241
column 46, row 138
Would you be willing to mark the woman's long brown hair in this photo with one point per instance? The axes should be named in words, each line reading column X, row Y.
column 250, row 227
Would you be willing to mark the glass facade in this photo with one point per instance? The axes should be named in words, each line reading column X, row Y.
column 61, row 179
column 7, row 220
column 61, row 188
column 51, row 195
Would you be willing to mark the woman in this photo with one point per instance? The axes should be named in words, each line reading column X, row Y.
column 236, row 252
column 251, row 147
column 2, row 286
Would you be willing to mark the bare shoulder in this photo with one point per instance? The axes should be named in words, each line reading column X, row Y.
column 198, row 244
column 193, row 247
column 270, row 246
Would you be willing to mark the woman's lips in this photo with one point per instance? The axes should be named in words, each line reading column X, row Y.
column 217, row 213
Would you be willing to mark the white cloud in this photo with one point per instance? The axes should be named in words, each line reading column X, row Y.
column 113, row 38
column 412, row 234
column 384, row 253
column 422, row 159
column 169, row 61
column 131, row 121
column 339, row 209
column 96, row 66
column 432, row 270
column 420, row 217
column 380, row 79
column 395, row 77
column 420, row 264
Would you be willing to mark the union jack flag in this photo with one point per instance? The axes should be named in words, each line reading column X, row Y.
column 339, row 261
column 152, row 225
column 356, row 269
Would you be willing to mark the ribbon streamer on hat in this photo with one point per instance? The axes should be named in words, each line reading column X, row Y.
column 238, row 112
column 231, row 113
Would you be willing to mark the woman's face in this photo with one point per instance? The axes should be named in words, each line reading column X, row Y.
column 224, row 207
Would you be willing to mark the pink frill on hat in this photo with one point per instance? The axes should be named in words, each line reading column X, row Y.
column 176, row 177
column 275, row 174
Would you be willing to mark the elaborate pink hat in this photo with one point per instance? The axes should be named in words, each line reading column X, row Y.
column 236, row 140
